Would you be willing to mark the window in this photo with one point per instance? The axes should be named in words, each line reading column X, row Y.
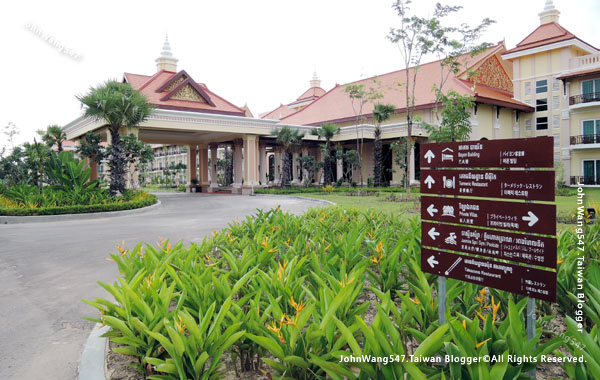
column 541, row 105
column 590, row 86
column 555, row 102
column 541, row 86
column 528, row 124
column 555, row 85
column 556, row 140
column 527, row 88
column 591, row 127
column 541, row 123
column 591, row 172
column 555, row 121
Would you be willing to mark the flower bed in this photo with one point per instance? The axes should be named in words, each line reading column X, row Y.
column 296, row 296
column 9, row 207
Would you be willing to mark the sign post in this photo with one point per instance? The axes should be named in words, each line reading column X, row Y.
column 484, row 233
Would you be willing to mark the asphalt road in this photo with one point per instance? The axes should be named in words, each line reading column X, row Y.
column 47, row 268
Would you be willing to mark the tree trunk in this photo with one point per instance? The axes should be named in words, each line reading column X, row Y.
column 377, row 159
column 116, row 164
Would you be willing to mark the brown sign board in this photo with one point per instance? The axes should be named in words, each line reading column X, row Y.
column 536, row 152
column 509, row 184
column 526, row 217
column 523, row 248
column 536, row 283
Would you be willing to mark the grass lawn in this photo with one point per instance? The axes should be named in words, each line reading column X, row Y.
column 565, row 205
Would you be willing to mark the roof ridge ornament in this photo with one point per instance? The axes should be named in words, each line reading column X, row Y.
column 549, row 14
column 166, row 61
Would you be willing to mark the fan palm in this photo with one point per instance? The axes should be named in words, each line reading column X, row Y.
column 327, row 132
column 119, row 105
column 381, row 113
column 53, row 135
column 291, row 140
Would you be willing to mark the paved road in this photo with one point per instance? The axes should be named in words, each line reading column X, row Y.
column 47, row 268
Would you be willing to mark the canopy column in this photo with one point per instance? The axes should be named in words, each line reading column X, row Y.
column 203, row 167
column 262, row 164
column 250, row 164
column 238, row 174
column 214, row 185
column 191, row 164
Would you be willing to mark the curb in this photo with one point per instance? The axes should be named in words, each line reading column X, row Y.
column 91, row 366
column 330, row 203
column 66, row 217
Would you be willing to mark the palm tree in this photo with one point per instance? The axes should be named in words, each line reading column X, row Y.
column 119, row 105
column 53, row 135
column 291, row 140
column 326, row 132
column 381, row 113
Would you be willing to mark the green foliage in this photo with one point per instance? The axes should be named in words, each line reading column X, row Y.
column 118, row 105
column 53, row 135
column 381, row 113
column 56, row 202
column 89, row 147
column 68, row 174
column 455, row 123
column 290, row 139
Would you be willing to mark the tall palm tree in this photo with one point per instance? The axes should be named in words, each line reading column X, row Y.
column 291, row 140
column 53, row 135
column 119, row 105
column 327, row 132
column 381, row 113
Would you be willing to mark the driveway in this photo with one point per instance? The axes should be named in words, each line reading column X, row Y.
column 47, row 268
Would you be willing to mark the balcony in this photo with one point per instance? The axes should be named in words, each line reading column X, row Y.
column 577, row 180
column 584, row 61
column 585, row 139
column 584, row 98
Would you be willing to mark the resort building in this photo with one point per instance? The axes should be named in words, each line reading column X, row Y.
column 548, row 85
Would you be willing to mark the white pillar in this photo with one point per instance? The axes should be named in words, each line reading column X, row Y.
column 191, row 172
column 411, row 162
column 237, row 166
column 277, row 164
column 263, row 164
column 214, row 185
column 340, row 168
column 304, row 171
column 295, row 171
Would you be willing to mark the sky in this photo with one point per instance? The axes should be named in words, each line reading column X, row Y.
column 262, row 53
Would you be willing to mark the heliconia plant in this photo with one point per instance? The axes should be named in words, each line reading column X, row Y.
column 297, row 297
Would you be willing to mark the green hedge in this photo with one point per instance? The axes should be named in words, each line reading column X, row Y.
column 338, row 189
column 80, row 209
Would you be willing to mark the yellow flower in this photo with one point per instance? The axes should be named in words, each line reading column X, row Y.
column 265, row 242
column 214, row 233
column 559, row 261
column 415, row 301
column 180, row 325
column 379, row 248
column 326, row 248
column 297, row 306
column 495, row 308
column 345, row 281
column 287, row 321
column 371, row 236
column 464, row 324
column 273, row 327
column 281, row 270
column 482, row 343
column 122, row 249
column 481, row 316
column 149, row 280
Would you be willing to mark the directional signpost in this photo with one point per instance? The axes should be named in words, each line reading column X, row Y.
column 462, row 225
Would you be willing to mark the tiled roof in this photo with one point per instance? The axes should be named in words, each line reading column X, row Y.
column 544, row 34
column 580, row 73
column 336, row 106
column 153, row 87
column 282, row 111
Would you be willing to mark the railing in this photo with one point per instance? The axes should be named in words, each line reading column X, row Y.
column 584, row 98
column 585, row 139
column 585, row 61
column 580, row 180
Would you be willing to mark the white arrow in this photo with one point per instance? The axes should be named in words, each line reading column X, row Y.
column 431, row 210
column 532, row 218
column 432, row 233
column 429, row 181
column 432, row 261
column 429, row 155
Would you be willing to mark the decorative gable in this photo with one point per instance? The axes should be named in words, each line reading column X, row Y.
column 182, row 87
column 188, row 92
column 491, row 73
